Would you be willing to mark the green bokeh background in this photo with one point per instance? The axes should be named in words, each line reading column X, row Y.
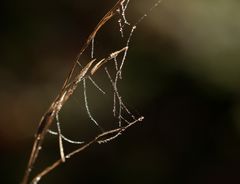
column 182, row 74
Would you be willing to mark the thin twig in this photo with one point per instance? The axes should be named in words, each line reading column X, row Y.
column 61, row 148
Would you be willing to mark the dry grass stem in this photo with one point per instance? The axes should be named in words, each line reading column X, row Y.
column 69, row 86
column 66, row 91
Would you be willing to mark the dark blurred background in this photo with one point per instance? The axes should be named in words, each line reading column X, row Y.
column 182, row 74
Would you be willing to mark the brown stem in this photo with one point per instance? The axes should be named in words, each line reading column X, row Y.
column 63, row 96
